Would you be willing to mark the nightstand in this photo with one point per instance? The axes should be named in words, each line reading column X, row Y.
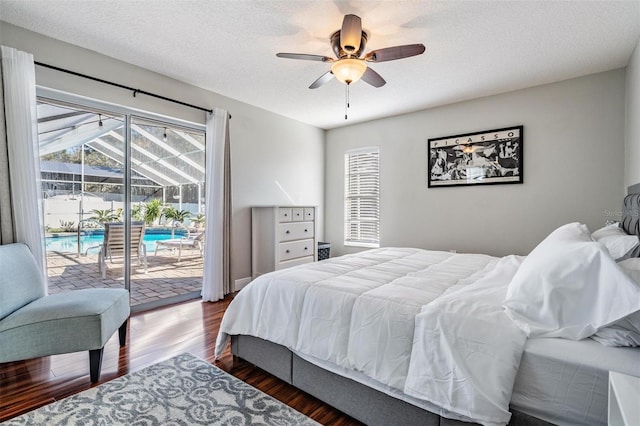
column 624, row 400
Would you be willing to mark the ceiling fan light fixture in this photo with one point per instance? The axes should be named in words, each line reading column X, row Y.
column 348, row 70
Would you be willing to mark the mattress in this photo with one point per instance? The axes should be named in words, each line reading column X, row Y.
column 566, row 382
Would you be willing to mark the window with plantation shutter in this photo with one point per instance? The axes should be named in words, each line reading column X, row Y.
column 362, row 197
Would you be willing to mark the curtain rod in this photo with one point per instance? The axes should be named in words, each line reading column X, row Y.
column 122, row 86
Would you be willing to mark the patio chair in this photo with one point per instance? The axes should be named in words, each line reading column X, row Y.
column 113, row 244
column 191, row 241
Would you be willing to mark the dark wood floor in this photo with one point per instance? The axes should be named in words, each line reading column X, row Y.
column 153, row 336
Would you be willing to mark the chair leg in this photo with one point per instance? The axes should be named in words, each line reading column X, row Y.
column 144, row 256
column 95, row 364
column 102, row 264
column 122, row 333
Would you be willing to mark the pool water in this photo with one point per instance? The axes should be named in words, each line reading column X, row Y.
column 69, row 244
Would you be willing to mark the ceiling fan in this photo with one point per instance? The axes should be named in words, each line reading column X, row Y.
column 348, row 45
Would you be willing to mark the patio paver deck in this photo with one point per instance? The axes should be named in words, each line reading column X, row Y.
column 165, row 277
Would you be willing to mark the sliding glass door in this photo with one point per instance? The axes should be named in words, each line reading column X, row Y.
column 83, row 189
column 123, row 202
column 171, row 212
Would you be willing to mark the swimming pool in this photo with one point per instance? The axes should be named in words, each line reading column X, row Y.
column 91, row 242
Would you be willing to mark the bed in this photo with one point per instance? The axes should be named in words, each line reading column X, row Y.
column 409, row 336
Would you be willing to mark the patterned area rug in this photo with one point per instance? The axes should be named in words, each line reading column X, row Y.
column 183, row 390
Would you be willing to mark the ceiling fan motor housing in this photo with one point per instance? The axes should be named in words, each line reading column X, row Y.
column 341, row 53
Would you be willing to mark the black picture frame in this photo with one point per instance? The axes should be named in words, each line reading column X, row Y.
column 487, row 157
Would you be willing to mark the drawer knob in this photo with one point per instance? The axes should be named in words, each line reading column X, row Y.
column 285, row 215
column 306, row 230
column 287, row 232
column 287, row 251
column 306, row 248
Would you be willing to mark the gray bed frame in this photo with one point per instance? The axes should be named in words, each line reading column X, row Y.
column 361, row 402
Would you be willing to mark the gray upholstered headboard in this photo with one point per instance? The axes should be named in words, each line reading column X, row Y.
column 631, row 211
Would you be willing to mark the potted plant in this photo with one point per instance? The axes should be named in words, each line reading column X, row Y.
column 198, row 221
column 137, row 212
column 105, row 216
column 176, row 217
column 152, row 211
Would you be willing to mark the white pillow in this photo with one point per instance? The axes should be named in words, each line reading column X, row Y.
column 626, row 331
column 616, row 240
column 569, row 286
column 632, row 268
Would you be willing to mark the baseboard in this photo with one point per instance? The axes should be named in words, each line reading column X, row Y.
column 242, row 282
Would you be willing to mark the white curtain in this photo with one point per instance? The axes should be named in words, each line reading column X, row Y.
column 7, row 236
column 20, row 119
column 217, row 246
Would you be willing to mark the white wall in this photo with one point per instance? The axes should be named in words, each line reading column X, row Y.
column 275, row 160
column 632, row 125
column 573, row 169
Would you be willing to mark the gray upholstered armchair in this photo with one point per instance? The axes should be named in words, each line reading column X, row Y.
column 33, row 324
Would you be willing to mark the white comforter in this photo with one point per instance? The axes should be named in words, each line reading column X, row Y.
column 360, row 312
column 466, row 351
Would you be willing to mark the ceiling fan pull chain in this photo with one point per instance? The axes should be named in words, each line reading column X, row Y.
column 346, row 101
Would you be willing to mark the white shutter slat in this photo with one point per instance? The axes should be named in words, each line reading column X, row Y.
column 362, row 197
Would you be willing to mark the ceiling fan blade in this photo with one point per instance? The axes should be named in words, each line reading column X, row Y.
column 373, row 78
column 351, row 33
column 305, row 57
column 393, row 53
column 324, row 78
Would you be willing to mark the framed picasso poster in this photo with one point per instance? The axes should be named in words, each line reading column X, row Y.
column 479, row 158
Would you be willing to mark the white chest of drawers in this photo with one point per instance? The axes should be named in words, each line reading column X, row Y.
column 282, row 237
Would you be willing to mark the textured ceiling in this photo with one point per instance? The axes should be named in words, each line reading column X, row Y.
column 474, row 48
